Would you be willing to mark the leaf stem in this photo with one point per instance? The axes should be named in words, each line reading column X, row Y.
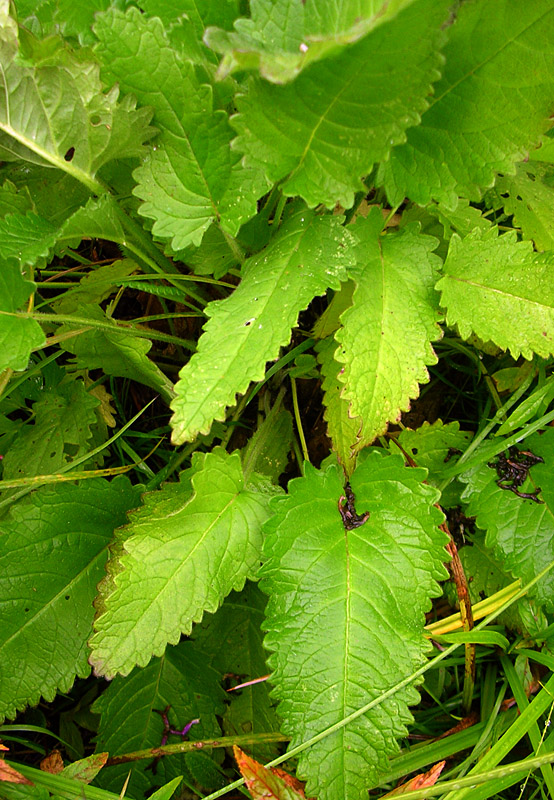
column 298, row 419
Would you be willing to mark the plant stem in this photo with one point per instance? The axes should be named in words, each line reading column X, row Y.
column 298, row 419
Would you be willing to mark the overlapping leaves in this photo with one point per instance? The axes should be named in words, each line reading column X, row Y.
column 491, row 105
column 520, row 532
column 323, row 132
column 346, row 612
column 182, row 553
column 308, row 255
column 55, row 546
column 53, row 110
column 191, row 178
column 182, row 679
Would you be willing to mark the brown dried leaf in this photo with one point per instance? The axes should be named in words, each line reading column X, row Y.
column 53, row 763
column 11, row 775
column 421, row 781
column 267, row 784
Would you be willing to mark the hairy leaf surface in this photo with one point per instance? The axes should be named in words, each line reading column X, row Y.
column 346, row 613
column 386, row 334
column 191, row 178
column 324, row 131
column 308, row 255
column 520, row 532
column 499, row 289
column 179, row 557
column 490, row 107
column 182, row 679
column 55, row 545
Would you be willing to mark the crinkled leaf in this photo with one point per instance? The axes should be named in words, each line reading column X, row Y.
column 497, row 288
column 55, row 545
column 308, row 255
column 282, row 38
column 181, row 556
column 520, row 532
column 60, row 430
column 231, row 640
column 490, row 107
column 53, row 109
column 346, row 613
column 118, row 353
column 342, row 429
column 182, row 679
column 529, row 196
column 323, row 132
column 18, row 337
column 191, row 178
column 432, row 446
column 386, row 334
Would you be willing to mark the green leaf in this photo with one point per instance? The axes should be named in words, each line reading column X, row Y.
column 342, row 429
column 54, row 195
column 267, row 451
column 431, row 447
column 490, row 106
column 322, row 133
column 282, row 38
column 55, row 545
column 12, row 200
column 386, row 333
column 346, row 613
column 520, row 532
column 191, row 178
column 60, row 432
column 232, row 642
column 18, row 337
column 120, row 354
column 54, row 111
column 26, row 237
column 180, row 556
column 307, row 255
column 182, row 679
column 497, row 288
column 95, row 287
column 485, row 576
column 529, row 196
